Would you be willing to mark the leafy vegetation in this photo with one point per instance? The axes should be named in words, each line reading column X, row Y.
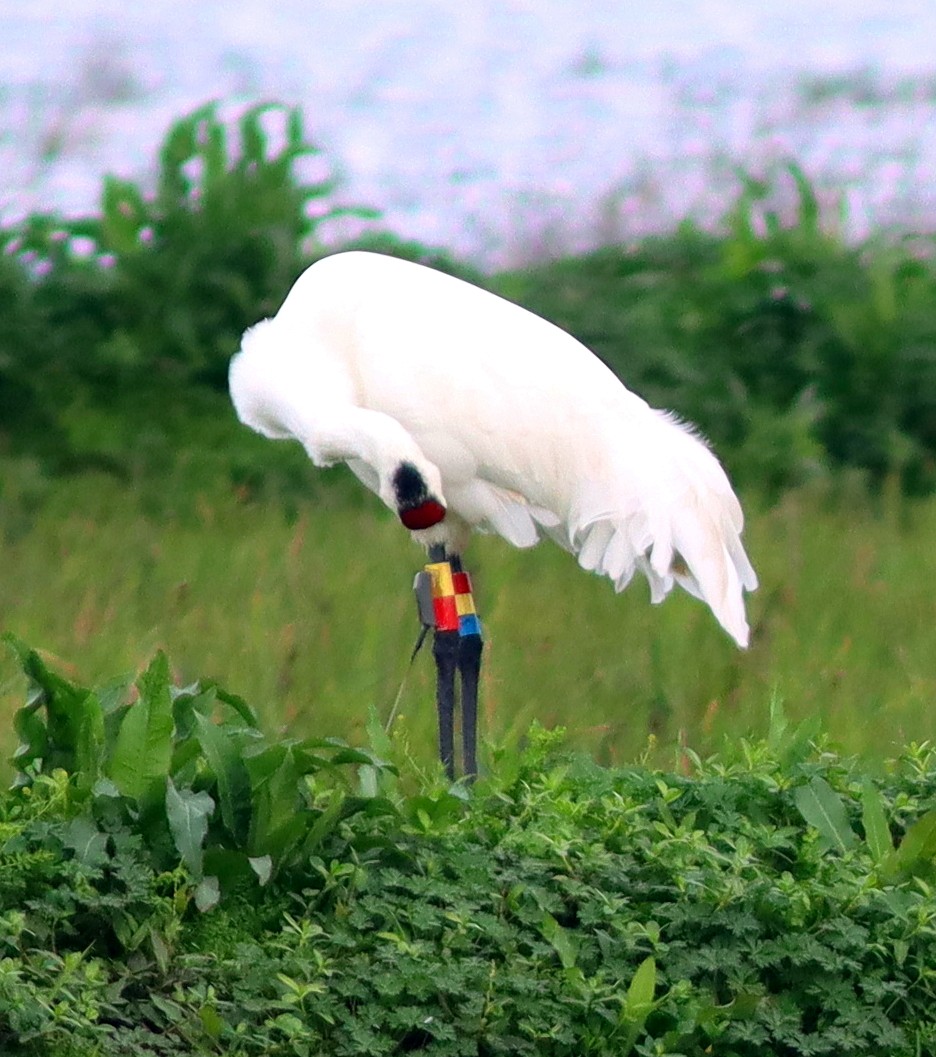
column 114, row 315
column 159, row 285
column 791, row 349
column 771, row 900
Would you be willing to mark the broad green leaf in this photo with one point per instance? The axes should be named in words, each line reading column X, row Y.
column 262, row 866
column 123, row 214
column 641, row 990
column 325, row 823
column 211, row 1023
column 31, row 731
column 275, row 801
column 877, row 832
column 89, row 740
column 231, row 775
column 235, row 702
column 188, row 814
column 143, row 748
column 73, row 735
column 86, row 841
column 790, row 745
column 104, row 787
column 160, row 952
column 562, row 940
column 918, row 847
column 823, row 809
column 377, row 735
column 207, row 894
column 638, row 1004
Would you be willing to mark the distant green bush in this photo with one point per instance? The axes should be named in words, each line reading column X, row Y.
column 173, row 882
column 112, row 322
column 170, row 280
column 128, row 310
column 793, row 351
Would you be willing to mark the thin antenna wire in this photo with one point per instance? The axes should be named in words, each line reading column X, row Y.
column 423, row 632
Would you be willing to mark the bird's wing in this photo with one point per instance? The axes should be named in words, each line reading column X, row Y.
column 664, row 506
column 488, row 507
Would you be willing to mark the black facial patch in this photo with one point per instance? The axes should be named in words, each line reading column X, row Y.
column 409, row 486
column 418, row 509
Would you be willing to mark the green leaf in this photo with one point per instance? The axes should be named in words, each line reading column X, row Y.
column 188, row 814
column 562, row 940
column 641, row 990
column 86, row 841
column 639, row 1002
column 252, row 134
column 262, row 866
column 227, row 765
column 276, row 780
column 123, row 215
column 238, row 704
column 143, row 748
column 72, row 736
column 809, row 212
column 31, row 731
column 325, row 823
column 823, row 809
column 207, row 894
column 877, row 832
column 918, row 847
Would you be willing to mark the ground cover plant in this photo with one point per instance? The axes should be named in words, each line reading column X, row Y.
column 171, row 881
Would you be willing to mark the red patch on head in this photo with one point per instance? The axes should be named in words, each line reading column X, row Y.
column 423, row 516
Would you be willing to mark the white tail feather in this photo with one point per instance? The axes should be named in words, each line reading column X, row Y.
column 676, row 520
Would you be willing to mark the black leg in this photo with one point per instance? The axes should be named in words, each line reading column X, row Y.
column 445, row 649
column 469, row 665
column 469, row 669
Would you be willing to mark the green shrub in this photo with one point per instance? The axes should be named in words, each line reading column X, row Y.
column 171, row 280
column 773, row 900
column 793, row 351
column 132, row 306
column 789, row 349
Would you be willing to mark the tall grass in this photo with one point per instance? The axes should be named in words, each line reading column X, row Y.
column 308, row 613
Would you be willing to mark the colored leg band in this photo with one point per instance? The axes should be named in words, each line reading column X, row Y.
column 453, row 606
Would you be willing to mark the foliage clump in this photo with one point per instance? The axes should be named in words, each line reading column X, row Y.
column 771, row 901
column 793, row 351
column 154, row 293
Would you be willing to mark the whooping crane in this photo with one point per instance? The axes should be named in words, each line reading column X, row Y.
column 463, row 411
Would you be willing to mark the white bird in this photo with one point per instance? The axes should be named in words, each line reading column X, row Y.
column 463, row 411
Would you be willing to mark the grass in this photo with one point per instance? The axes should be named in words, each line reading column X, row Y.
column 306, row 610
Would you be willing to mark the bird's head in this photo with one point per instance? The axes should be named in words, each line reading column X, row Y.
column 417, row 495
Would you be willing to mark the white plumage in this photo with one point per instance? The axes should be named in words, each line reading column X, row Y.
column 514, row 426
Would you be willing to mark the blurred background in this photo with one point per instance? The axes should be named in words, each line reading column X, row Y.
column 732, row 204
column 501, row 130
